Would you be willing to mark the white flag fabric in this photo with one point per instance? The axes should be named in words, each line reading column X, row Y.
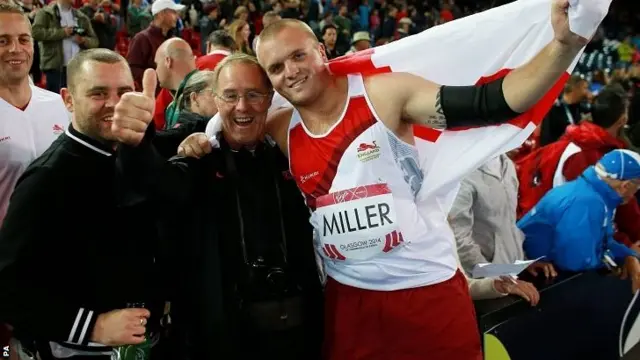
column 468, row 51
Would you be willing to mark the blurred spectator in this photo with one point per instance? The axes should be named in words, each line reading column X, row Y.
column 374, row 21
column 332, row 7
column 61, row 32
column 483, row 218
column 572, row 226
column 240, row 32
column 267, row 19
column 599, row 80
column 175, row 64
column 626, row 52
column 565, row 111
column 361, row 41
column 405, row 27
column 445, row 13
column 364, row 14
column 144, row 44
column 139, row 17
column 329, row 38
column 241, row 13
column 196, row 106
column 314, row 10
column 291, row 9
column 219, row 45
column 343, row 25
column 388, row 28
column 103, row 23
column 209, row 22
column 327, row 19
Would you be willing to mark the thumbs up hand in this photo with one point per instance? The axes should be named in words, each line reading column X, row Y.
column 134, row 111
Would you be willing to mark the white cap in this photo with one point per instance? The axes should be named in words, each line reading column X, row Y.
column 159, row 5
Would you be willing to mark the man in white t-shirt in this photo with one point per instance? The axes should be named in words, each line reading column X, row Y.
column 31, row 118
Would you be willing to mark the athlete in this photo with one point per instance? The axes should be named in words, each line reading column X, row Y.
column 393, row 289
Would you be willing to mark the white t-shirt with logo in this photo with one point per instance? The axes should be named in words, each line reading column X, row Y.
column 25, row 135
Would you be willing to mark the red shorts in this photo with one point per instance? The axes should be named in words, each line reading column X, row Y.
column 435, row 322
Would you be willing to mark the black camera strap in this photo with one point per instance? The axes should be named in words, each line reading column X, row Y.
column 233, row 172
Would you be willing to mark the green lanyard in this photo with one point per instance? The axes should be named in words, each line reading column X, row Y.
column 172, row 117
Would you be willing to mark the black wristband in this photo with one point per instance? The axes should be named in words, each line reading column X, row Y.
column 475, row 105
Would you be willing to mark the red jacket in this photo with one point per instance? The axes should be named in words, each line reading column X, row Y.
column 142, row 52
column 595, row 142
column 211, row 60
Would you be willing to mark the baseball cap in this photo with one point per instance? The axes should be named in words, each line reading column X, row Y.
column 619, row 165
column 160, row 5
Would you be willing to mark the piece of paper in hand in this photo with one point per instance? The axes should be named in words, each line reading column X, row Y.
column 497, row 270
column 585, row 16
column 214, row 126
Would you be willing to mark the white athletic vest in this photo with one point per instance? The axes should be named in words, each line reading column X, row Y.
column 25, row 135
column 361, row 181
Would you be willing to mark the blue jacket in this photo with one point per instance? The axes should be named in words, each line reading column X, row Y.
column 572, row 225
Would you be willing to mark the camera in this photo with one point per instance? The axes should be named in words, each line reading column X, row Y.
column 265, row 282
column 77, row 30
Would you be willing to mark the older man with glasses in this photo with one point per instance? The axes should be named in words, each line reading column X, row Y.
column 248, row 282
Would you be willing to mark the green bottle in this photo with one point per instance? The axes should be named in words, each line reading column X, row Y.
column 134, row 352
column 140, row 351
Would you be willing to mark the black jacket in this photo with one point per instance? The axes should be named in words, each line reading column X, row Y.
column 207, row 228
column 167, row 141
column 555, row 123
column 75, row 243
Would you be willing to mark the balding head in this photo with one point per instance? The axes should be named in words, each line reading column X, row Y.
column 174, row 60
column 176, row 48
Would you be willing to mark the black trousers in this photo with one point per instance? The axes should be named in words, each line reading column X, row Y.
column 290, row 344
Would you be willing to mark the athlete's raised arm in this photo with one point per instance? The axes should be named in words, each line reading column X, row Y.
column 423, row 102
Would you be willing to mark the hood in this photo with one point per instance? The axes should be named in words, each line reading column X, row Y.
column 587, row 135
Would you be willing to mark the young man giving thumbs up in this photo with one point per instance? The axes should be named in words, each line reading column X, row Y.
column 77, row 248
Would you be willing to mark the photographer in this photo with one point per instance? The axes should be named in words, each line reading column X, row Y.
column 61, row 32
column 247, row 283
column 103, row 22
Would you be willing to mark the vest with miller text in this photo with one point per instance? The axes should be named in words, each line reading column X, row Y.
column 361, row 182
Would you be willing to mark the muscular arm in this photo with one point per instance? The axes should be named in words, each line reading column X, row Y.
column 420, row 101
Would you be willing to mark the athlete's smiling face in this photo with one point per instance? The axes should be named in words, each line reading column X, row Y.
column 16, row 48
column 293, row 59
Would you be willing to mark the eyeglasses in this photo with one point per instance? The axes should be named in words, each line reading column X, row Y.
column 252, row 97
